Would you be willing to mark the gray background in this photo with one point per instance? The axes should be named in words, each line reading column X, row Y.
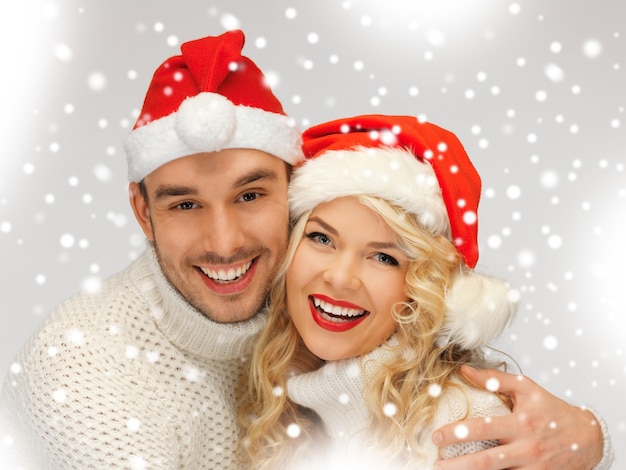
column 534, row 89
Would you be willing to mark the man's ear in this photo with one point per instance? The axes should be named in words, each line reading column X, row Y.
column 141, row 210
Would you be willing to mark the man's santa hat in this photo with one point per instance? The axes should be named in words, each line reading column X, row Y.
column 425, row 170
column 208, row 99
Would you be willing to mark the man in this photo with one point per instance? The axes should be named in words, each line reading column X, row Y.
column 143, row 373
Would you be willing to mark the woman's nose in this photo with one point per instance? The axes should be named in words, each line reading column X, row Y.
column 343, row 273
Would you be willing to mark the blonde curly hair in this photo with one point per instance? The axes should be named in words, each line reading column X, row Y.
column 266, row 411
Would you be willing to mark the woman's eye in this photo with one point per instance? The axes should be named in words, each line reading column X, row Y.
column 387, row 259
column 319, row 238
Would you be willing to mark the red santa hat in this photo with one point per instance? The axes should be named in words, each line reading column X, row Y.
column 425, row 170
column 208, row 99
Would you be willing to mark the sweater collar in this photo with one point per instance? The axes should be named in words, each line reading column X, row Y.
column 187, row 328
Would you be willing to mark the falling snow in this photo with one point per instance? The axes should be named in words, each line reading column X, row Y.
column 133, row 424
column 59, row 396
column 75, row 337
column 293, row 430
column 493, row 385
column 461, row 431
column 137, row 463
column 192, row 374
column 434, row 390
column 390, row 409
column 540, row 107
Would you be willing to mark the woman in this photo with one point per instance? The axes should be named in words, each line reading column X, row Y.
column 377, row 305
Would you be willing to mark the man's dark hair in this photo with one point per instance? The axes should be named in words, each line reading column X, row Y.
column 143, row 190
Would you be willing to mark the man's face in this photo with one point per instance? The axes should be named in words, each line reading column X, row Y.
column 219, row 225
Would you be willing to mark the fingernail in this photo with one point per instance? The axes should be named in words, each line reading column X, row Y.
column 437, row 438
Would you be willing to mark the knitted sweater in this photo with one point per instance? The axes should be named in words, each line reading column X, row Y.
column 131, row 377
column 335, row 393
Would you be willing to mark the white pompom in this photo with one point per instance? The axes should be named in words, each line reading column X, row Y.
column 478, row 309
column 206, row 122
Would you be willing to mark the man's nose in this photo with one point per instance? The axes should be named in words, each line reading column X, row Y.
column 223, row 232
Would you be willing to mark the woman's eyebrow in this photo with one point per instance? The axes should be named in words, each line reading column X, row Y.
column 384, row 245
column 329, row 228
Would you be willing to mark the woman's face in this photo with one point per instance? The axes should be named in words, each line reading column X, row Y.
column 345, row 277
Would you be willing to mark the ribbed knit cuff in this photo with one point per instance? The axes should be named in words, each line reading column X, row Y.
column 607, row 447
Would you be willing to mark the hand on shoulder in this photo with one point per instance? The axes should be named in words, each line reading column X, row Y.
column 543, row 431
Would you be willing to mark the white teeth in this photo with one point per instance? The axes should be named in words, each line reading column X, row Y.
column 231, row 275
column 336, row 310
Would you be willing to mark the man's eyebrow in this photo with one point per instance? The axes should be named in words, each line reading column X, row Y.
column 172, row 190
column 255, row 175
column 168, row 190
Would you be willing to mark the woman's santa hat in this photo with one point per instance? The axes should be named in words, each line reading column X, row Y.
column 208, row 99
column 425, row 170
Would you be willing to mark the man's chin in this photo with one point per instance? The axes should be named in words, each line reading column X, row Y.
column 219, row 309
column 229, row 312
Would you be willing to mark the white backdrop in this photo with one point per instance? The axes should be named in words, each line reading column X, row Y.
column 535, row 89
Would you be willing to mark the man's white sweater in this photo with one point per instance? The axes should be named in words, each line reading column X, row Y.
column 130, row 377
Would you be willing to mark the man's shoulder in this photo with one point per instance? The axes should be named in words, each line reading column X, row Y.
column 91, row 319
column 85, row 306
column 127, row 285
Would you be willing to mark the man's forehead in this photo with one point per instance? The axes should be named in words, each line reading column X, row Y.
column 196, row 173
column 223, row 160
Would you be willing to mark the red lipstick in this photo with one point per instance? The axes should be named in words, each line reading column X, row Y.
column 343, row 324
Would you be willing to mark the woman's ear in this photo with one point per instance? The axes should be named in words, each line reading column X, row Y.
column 141, row 209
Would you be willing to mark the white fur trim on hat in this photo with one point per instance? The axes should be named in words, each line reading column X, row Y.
column 478, row 309
column 208, row 122
column 394, row 174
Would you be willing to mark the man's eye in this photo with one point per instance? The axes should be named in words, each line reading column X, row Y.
column 186, row 206
column 247, row 197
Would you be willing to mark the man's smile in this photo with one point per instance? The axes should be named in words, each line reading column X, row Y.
column 228, row 280
column 224, row 274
